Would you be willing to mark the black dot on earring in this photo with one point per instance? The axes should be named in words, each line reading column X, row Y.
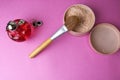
column 37, row 23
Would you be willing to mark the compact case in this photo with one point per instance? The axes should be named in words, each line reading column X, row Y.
column 86, row 15
column 104, row 38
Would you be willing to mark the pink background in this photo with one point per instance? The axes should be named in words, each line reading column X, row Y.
column 68, row 57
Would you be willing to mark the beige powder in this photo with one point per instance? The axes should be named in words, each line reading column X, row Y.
column 86, row 16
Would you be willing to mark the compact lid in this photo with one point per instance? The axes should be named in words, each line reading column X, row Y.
column 105, row 38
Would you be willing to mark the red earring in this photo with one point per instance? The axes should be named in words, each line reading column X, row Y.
column 20, row 30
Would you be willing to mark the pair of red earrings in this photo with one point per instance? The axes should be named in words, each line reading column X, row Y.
column 20, row 30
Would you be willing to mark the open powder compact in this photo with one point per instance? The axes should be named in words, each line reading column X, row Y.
column 86, row 16
column 105, row 38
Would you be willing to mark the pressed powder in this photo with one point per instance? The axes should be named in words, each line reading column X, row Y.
column 71, row 22
column 86, row 16
column 105, row 38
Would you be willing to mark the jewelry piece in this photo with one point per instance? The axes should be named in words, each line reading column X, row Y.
column 20, row 30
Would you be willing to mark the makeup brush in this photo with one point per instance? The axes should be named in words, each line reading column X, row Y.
column 70, row 23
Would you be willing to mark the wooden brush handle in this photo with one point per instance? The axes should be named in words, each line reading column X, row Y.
column 40, row 48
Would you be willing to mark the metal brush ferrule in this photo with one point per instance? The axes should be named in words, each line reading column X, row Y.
column 62, row 30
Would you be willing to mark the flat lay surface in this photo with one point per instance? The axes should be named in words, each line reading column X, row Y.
column 68, row 57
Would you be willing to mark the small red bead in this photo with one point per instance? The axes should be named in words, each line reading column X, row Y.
column 19, row 30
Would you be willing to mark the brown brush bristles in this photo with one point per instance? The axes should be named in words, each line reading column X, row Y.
column 72, row 22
